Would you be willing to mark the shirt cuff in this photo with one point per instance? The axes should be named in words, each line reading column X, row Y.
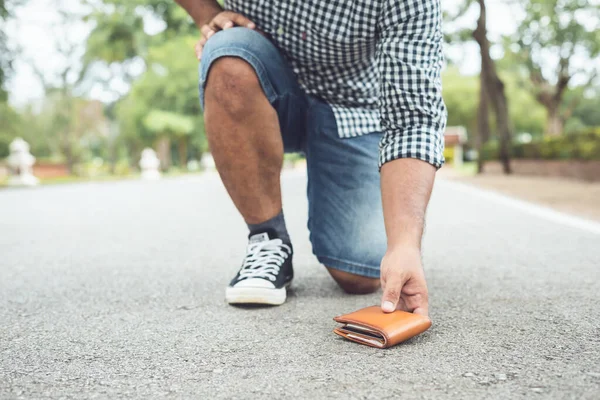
column 423, row 143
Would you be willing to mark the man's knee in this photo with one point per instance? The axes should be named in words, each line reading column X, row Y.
column 354, row 284
column 231, row 84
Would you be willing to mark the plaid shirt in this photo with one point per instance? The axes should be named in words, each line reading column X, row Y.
column 376, row 62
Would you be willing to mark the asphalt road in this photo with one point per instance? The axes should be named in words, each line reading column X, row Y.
column 116, row 290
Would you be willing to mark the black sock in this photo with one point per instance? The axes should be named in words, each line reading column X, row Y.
column 276, row 224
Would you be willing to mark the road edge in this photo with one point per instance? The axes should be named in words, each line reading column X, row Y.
column 537, row 210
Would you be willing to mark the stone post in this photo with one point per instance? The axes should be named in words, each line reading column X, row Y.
column 208, row 162
column 20, row 162
column 149, row 164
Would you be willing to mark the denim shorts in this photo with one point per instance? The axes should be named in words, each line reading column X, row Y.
column 345, row 216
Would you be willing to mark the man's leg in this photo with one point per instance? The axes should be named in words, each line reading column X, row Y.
column 353, row 283
column 244, row 137
column 245, row 140
column 253, row 108
column 345, row 211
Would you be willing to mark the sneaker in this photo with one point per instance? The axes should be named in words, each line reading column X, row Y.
column 265, row 274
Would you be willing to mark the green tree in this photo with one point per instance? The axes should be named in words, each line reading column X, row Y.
column 493, row 90
column 588, row 106
column 492, row 93
column 162, row 108
column 120, row 35
column 461, row 97
column 6, row 54
column 69, row 119
column 550, row 38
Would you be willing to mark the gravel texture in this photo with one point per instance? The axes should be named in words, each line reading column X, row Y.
column 116, row 290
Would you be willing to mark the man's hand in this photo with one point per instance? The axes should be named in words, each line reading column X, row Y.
column 405, row 189
column 221, row 21
column 403, row 281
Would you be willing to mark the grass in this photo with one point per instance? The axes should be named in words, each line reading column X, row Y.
column 73, row 179
column 79, row 179
column 469, row 168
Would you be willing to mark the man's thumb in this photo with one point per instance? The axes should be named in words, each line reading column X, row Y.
column 391, row 296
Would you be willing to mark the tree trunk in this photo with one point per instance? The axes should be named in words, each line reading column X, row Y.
column 67, row 151
column 163, row 150
column 494, row 89
column 183, row 151
column 554, row 122
column 483, row 121
column 69, row 160
column 503, row 123
column 112, row 148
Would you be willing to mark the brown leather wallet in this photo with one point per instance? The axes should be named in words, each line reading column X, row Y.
column 373, row 327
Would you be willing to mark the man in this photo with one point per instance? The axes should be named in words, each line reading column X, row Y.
column 351, row 84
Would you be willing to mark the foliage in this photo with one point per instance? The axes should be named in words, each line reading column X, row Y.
column 163, row 100
column 5, row 53
column 581, row 146
column 68, row 126
column 143, row 48
column 587, row 111
column 159, row 121
column 461, row 94
column 120, row 32
column 553, row 53
column 552, row 44
column 10, row 127
column 552, row 33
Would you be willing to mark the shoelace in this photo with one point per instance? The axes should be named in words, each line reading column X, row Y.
column 264, row 259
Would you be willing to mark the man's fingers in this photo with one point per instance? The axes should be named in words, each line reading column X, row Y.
column 415, row 295
column 389, row 301
column 221, row 21
column 421, row 311
column 207, row 31
column 418, row 306
column 240, row 20
column 228, row 20
column 401, row 305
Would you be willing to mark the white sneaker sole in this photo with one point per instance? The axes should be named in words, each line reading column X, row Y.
column 250, row 295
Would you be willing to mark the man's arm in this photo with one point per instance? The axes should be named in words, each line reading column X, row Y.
column 201, row 11
column 406, row 186
column 413, row 118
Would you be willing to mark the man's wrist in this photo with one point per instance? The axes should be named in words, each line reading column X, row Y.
column 208, row 16
column 201, row 11
column 405, row 189
column 407, row 234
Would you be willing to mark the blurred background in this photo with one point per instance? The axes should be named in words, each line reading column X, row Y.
column 90, row 84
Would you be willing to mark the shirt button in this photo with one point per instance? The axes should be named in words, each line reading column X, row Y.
column 280, row 30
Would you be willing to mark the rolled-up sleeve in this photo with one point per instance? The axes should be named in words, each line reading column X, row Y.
column 410, row 58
